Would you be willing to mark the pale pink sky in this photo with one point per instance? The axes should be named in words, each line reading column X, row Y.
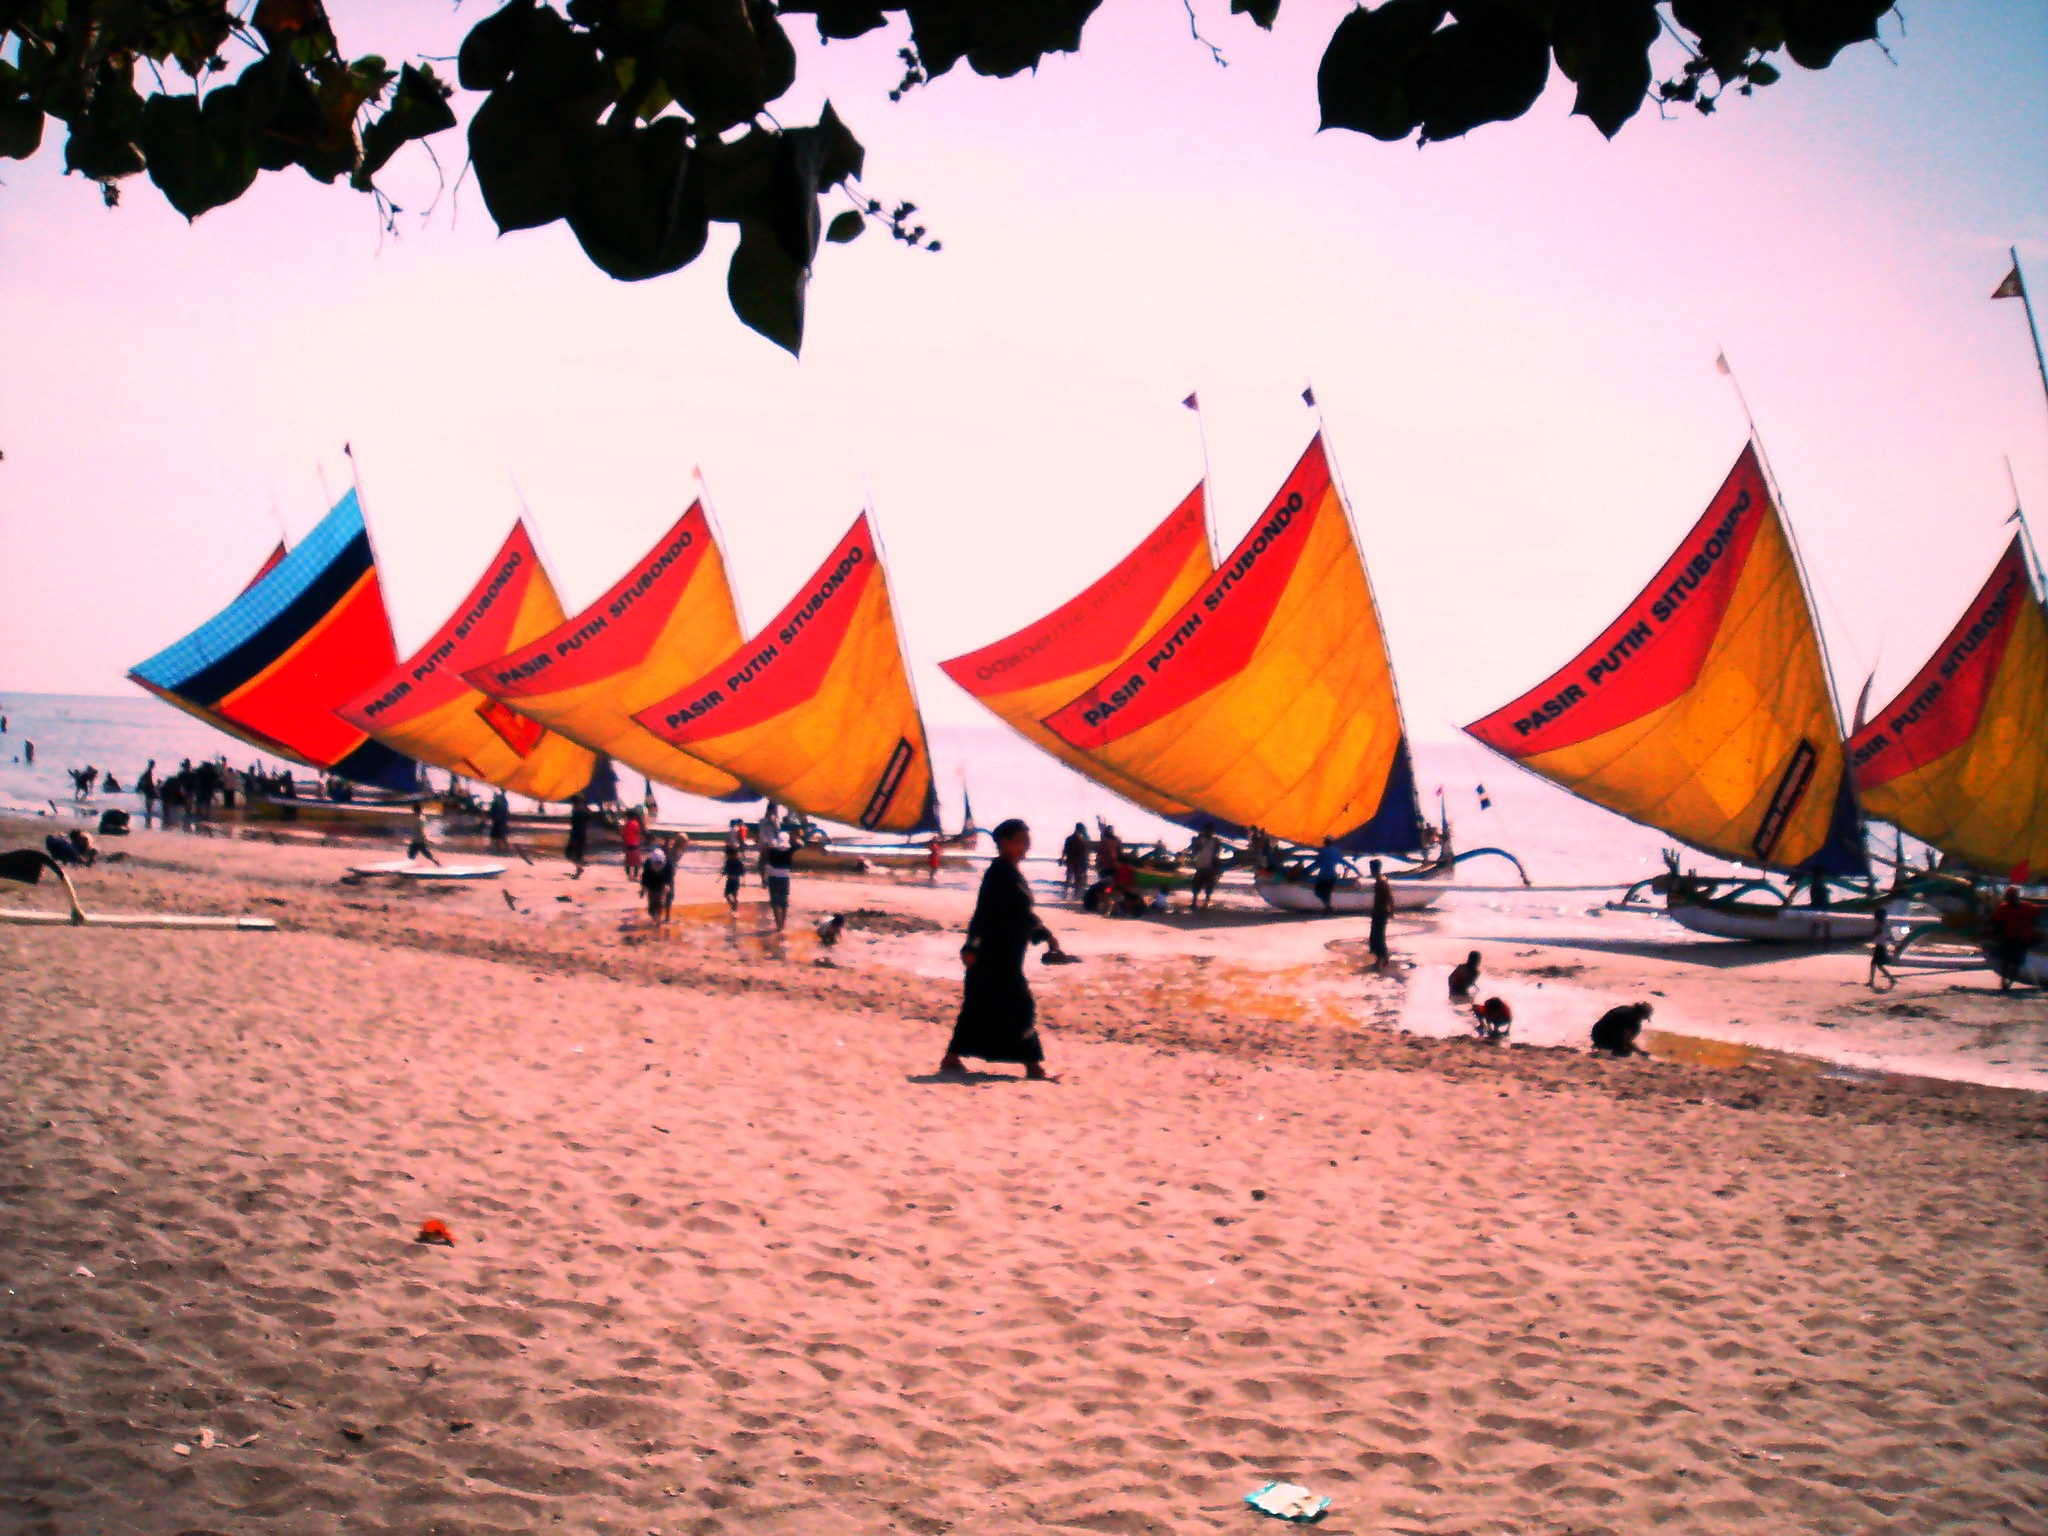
column 1512, row 337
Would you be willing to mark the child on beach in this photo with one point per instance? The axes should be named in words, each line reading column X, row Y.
column 1880, row 964
column 1616, row 1030
column 658, row 882
column 1493, row 1018
column 629, row 840
column 734, row 871
column 1465, row 977
column 776, row 864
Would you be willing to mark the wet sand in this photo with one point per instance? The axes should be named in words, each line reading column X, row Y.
column 727, row 1256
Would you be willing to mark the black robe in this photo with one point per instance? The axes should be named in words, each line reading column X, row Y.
column 998, row 1020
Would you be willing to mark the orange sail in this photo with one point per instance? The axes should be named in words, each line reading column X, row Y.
column 1960, row 758
column 666, row 621
column 1028, row 675
column 307, row 633
column 425, row 708
column 1267, row 699
column 1705, row 710
column 817, row 711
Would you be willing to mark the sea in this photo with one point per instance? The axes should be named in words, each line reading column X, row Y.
column 1577, row 858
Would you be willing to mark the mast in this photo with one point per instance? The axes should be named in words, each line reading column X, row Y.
column 1194, row 403
column 2015, row 286
column 1308, row 396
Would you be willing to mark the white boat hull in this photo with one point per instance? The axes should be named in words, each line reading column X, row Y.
column 405, row 870
column 1415, row 893
column 1763, row 924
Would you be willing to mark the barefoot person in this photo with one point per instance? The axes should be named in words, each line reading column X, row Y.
column 998, row 1020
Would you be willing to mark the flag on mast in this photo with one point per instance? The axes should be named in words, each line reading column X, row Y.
column 1192, row 402
column 2014, row 287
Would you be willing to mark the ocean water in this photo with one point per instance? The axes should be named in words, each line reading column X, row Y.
column 1560, row 840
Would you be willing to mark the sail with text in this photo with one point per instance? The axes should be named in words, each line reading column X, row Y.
column 658, row 629
column 424, row 706
column 1960, row 758
column 1705, row 711
column 1025, row 676
column 817, row 710
column 270, row 667
column 1267, row 699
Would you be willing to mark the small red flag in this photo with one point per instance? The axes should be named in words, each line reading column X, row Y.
column 1192, row 403
column 2013, row 287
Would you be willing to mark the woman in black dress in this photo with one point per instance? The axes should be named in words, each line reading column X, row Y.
column 998, row 1021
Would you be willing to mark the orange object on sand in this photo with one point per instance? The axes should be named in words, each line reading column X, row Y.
column 435, row 1231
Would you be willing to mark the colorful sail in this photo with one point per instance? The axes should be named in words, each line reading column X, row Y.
column 270, row 667
column 423, row 705
column 817, row 711
column 1705, row 710
column 1267, row 698
column 1028, row 675
column 1960, row 758
column 669, row 619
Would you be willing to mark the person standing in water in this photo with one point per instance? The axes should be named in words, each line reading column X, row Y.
column 777, row 861
column 998, row 1019
column 1382, row 909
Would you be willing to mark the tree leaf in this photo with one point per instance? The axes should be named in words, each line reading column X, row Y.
column 847, row 227
column 766, row 287
column 1604, row 47
column 485, row 59
column 419, row 108
column 200, row 155
column 1489, row 65
column 995, row 39
column 839, row 18
column 727, row 62
column 525, row 161
column 1362, row 83
column 1817, row 30
column 21, row 127
column 635, row 212
column 1260, row 11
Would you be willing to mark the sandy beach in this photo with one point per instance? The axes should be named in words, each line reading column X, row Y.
column 727, row 1256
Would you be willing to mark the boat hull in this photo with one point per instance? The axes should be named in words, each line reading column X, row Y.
column 1412, row 893
column 1757, row 923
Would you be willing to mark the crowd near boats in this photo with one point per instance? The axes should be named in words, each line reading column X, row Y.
column 1249, row 697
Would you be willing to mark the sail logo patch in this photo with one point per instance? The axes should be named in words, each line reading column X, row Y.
column 891, row 781
column 1791, row 790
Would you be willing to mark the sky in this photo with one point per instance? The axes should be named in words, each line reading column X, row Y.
column 1512, row 337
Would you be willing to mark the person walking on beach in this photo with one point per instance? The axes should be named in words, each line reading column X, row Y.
column 1881, row 963
column 1074, row 859
column 998, row 1019
column 658, row 881
column 1207, row 856
column 1382, row 909
column 1109, row 851
column 777, row 861
column 579, row 831
column 934, row 851
column 145, row 786
column 735, row 868
column 501, row 823
column 417, row 848
column 629, row 841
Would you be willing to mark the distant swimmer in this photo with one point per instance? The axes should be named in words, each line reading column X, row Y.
column 1618, row 1028
column 1382, row 909
column 998, row 1018
column 1493, row 1018
column 1465, row 977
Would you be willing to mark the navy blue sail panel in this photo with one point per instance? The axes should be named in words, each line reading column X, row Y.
column 1843, row 854
column 1396, row 827
column 307, row 636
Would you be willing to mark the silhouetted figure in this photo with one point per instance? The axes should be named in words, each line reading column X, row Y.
column 998, row 1019
column 1382, row 909
column 1465, row 977
column 1493, row 1018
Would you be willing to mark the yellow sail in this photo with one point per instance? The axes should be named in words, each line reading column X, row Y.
column 1267, row 699
column 1705, row 710
column 1025, row 676
column 1960, row 758
column 817, row 711
column 425, row 708
column 668, row 619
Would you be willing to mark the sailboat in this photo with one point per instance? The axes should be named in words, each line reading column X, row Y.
column 1960, row 758
column 425, row 707
column 665, row 621
column 306, row 635
column 1706, row 712
column 1267, row 700
column 817, row 711
column 1023, row 676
